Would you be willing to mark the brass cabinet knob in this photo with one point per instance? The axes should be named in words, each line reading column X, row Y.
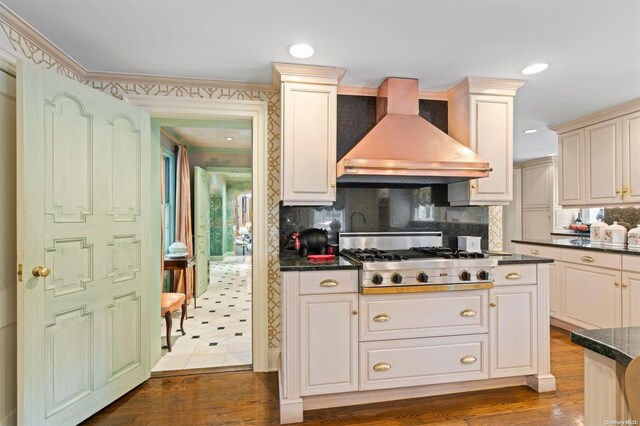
column 616, row 284
column 41, row 271
column 493, row 304
column 469, row 359
column 382, row 366
column 354, row 312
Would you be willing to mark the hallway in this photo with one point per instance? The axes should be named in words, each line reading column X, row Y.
column 218, row 331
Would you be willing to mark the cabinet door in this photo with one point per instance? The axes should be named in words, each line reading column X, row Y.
column 536, row 186
column 631, row 152
column 603, row 142
column 308, row 144
column 328, row 344
column 591, row 296
column 537, row 224
column 571, row 168
column 513, row 331
column 630, row 299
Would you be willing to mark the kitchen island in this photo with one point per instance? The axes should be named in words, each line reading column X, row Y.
column 341, row 347
column 607, row 354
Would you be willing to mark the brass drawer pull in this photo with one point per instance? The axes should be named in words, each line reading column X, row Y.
column 382, row 318
column 328, row 283
column 587, row 259
column 513, row 276
column 468, row 313
column 469, row 359
column 534, row 251
column 382, row 366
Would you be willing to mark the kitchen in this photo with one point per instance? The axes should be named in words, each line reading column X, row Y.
column 399, row 206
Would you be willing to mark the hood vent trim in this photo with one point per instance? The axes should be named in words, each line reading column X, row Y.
column 404, row 148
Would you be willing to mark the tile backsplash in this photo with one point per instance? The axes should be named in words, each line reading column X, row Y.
column 387, row 209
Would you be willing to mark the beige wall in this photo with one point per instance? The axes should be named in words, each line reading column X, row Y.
column 7, row 250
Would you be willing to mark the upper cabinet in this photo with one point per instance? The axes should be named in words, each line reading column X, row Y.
column 308, row 97
column 596, row 154
column 481, row 117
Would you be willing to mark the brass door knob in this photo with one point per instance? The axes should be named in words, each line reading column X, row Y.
column 41, row 271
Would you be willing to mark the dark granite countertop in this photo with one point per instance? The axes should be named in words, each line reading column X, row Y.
column 297, row 263
column 564, row 243
column 621, row 344
column 570, row 233
column 517, row 259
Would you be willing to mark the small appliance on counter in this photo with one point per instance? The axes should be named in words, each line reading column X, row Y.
column 313, row 241
column 470, row 244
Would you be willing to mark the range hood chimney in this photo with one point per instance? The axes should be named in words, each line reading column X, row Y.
column 404, row 148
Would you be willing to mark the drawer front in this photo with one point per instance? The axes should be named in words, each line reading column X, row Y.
column 631, row 263
column 539, row 251
column 423, row 314
column 413, row 362
column 323, row 282
column 592, row 258
column 515, row 275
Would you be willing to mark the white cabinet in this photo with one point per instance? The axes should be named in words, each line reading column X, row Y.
column 592, row 296
column 603, row 151
column 308, row 144
column 484, row 123
column 596, row 157
column 630, row 299
column 554, row 290
column 308, row 133
column 571, row 168
column 514, row 336
column 537, row 224
column 631, row 152
column 537, row 185
column 328, row 343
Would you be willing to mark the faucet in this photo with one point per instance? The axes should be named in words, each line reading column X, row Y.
column 364, row 220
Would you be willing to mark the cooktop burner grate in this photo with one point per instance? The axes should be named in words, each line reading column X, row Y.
column 377, row 255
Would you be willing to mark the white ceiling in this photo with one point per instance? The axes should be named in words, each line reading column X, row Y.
column 202, row 137
column 593, row 46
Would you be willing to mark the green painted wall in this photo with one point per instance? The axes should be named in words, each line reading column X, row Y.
column 234, row 188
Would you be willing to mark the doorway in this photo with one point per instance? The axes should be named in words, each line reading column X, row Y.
column 171, row 112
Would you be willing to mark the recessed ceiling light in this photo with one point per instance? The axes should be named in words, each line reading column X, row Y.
column 300, row 50
column 535, row 68
column 529, row 131
column 228, row 138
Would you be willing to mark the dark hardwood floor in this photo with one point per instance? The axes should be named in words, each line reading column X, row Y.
column 247, row 398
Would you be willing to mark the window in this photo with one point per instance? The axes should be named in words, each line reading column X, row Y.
column 169, row 202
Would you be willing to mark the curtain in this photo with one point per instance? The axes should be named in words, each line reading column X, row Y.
column 184, row 231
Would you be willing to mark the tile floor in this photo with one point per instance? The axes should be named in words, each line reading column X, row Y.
column 218, row 331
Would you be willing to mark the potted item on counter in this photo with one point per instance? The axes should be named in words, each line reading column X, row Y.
column 615, row 236
column 597, row 233
column 633, row 238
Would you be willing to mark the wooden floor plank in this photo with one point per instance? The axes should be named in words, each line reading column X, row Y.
column 246, row 398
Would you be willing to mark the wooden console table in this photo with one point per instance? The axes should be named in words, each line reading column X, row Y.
column 172, row 264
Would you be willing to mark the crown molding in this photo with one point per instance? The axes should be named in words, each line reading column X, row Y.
column 485, row 86
column 373, row 91
column 549, row 159
column 599, row 116
column 16, row 23
column 300, row 73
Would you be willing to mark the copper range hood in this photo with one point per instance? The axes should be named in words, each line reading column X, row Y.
column 404, row 148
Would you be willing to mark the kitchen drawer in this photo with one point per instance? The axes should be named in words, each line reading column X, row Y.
column 322, row 282
column 515, row 275
column 631, row 263
column 592, row 258
column 413, row 362
column 402, row 316
column 539, row 251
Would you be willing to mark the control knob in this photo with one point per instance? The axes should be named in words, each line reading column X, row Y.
column 396, row 278
column 483, row 275
column 465, row 276
column 422, row 277
column 376, row 279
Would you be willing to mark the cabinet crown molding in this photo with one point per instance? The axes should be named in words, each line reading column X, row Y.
column 299, row 73
column 551, row 159
column 485, row 86
column 599, row 116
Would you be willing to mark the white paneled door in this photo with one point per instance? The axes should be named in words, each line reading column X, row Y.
column 201, row 226
column 84, row 226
